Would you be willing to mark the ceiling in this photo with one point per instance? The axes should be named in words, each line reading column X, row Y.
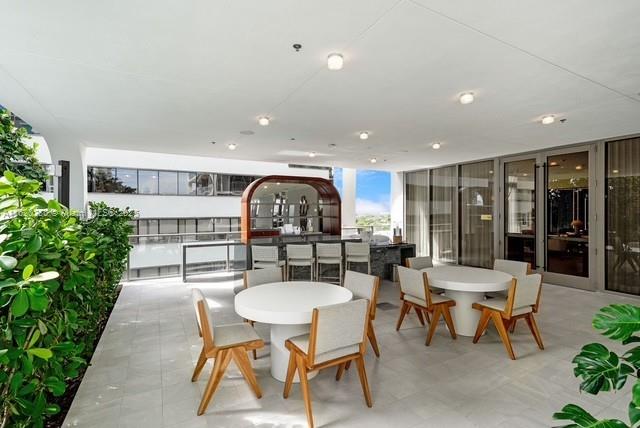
column 169, row 76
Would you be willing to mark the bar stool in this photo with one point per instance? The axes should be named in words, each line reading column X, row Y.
column 329, row 254
column 265, row 257
column 357, row 252
column 299, row 255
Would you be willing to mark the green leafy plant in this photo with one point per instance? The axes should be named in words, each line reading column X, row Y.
column 15, row 155
column 58, row 279
column 601, row 369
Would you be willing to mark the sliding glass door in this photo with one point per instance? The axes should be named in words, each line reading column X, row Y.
column 622, row 208
column 444, row 214
column 476, row 214
column 520, row 210
column 417, row 210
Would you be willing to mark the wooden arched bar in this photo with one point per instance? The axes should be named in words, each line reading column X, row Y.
column 328, row 205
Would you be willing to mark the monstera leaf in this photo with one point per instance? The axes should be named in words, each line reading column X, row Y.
column 583, row 419
column 600, row 369
column 618, row 322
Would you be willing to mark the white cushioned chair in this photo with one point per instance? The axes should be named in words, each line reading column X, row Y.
column 223, row 343
column 328, row 254
column 299, row 255
column 514, row 268
column 522, row 302
column 365, row 286
column 420, row 263
column 337, row 337
column 415, row 293
column 357, row 252
column 263, row 256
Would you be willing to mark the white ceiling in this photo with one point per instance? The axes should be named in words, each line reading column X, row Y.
column 171, row 76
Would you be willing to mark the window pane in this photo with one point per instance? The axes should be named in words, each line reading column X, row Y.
column 168, row 182
column 520, row 210
column 147, row 182
column 205, row 184
column 187, row 225
column 232, row 184
column 127, row 180
column 187, row 183
column 476, row 214
column 235, row 224
column 169, row 226
column 417, row 206
column 444, row 214
column 622, row 221
column 205, row 225
column 103, row 180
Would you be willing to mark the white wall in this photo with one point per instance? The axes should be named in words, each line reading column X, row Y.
column 397, row 200
column 348, row 197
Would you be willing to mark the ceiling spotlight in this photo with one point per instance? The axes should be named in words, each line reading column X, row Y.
column 466, row 98
column 364, row 135
column 548, row 119
column 373, row 160
column 578, row 167
column 615, row 171
column 335, row 61
column 312, row 154
column 263, row 121
column 553, row 163
column 232, row 146
column 435, row 146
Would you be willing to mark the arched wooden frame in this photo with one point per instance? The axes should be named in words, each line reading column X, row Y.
column 332, row 211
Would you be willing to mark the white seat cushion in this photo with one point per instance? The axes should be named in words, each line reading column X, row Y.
column 330, row 260
column 300, row 262
column 499, row 304
column 262, row 265
column 302, row 342
column 229, row 335
column 435, row 299
column 358, row 259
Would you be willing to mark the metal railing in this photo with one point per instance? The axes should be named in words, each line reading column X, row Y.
column 226, row 244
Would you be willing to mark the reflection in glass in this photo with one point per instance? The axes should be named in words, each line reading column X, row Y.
column 568, row 214
column 127, row 180
column 187, row 183
column 443, row 215
column 622, row 257
column 147, row 182
column 417, row 211
column 168, row 182
column 232, row 184
column 520, row 210
column 476, row 214
column 205, row 184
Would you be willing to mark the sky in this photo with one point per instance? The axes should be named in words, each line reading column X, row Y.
column 373, row 191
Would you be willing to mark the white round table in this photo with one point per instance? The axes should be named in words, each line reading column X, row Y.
column 288, row 307
column 467, row 285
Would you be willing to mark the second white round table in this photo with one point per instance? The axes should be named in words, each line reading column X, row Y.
column 467, row 285
column 288, row 307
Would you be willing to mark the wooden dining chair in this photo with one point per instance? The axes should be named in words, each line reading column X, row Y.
column 521, row 302
column 337, row 337
column 253, row 278
column 420, row 263
column 514, row 268
column 415, row 293
column 365, row 286
column 223, row 343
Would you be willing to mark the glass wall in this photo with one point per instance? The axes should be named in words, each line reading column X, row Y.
column 568, row 214
column 417, row 210
column 520, row 210
column 622, row 256
column 444, row 214
column 476, row 214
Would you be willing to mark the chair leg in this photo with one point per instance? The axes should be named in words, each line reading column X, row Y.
column 512, row 327
column 304, row 386
column 371, row 334
column 482, row 325
column 202, row 360
column 434, row 324
column 419, row 313
column 291, row 371
column 340, row 371
column 504, row 335
column 363, row 380
column 219, row 367
column 243, row 363
column 403, row 311
column 447, row 319
column 533, row 326
column 347, row 365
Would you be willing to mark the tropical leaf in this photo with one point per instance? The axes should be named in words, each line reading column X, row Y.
column 44, row 276
column 634, row 405
column 583, row 419
column 7, row 263
column 43, row 353
column 600, row 369
column 20, row 304
column 618, row 322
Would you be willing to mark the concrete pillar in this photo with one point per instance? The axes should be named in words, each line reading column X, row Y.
column 348, row 197
column 75, row 154
column 397, row 200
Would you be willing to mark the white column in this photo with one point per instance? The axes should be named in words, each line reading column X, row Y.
column 348, row 197
column 75, row 154
column 397, row 200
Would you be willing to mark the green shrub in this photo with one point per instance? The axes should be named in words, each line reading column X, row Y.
column 58, row 279
column 15, row 155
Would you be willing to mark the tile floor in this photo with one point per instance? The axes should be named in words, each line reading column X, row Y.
column 140, row 373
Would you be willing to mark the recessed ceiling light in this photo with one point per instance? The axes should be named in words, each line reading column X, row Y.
column 232, row 146
column 525, row 175
column 435, row 146
column 490, row 171
column 278, row 183
column 335, row 61
column 312, row 154
column 265, row 186
column 553, row 163
column 332, row 146
column 548, row 119
column 615, row 171
column 263, row 121
column 364, row 135
column 578, row 167
column 466, row 98
column 213, row 142
column 373, row 160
